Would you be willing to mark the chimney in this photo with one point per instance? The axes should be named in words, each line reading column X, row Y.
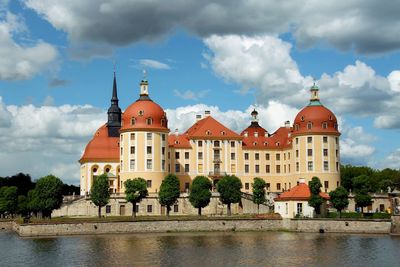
column 198, row 117
column 287, row 124
column 176, row 132
column 302, row 181
column 255, row 134
column 207, row 113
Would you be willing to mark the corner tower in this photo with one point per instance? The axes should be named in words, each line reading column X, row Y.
column 114, row 113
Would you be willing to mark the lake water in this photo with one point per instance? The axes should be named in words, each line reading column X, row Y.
column 202, row 249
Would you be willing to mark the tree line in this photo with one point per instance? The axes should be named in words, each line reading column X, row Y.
column 19, row 195
column 229, row 188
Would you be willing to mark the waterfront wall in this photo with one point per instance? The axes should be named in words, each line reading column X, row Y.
column 329, row 226
column 6, row 225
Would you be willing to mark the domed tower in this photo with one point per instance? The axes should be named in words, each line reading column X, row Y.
column 316, row 143
column 143, row 141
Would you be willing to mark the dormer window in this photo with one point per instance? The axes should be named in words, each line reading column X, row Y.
column 330, row 118
column 223, row 133
column 309, row 125
column 133, row 121
column 324, row 125
column 296, row 127
column 149, row 121
column 265, row 144
column 278, row 144
column 208, row 132
column 176, row 142
column 255, row 143
column 162, row 122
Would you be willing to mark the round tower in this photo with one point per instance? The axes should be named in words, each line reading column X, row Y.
column 144, row 141
column 316, row 143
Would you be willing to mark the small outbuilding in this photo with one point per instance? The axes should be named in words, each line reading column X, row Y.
column 295, row 201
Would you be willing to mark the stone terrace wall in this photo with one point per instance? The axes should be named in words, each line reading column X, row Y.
column 334, row 226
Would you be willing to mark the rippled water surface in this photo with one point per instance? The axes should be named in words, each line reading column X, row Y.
column 202, row 249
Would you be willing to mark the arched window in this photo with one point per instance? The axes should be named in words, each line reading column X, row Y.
column 141, row 112
column 133, row 121
column 309, row 125
column 208, row 132
column 255, row 143
column 296, row 127
column 278, row 144
column 324, row 125
column 149, row 121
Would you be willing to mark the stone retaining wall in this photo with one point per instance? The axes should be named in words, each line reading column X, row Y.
column 6, row 225
column 350, row 226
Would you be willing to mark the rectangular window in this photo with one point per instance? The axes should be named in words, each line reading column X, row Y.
column 325, row 139
column 325, row 152
column 278, row 186
column 246, row 156
column 267, row 156
column 149, row 208
column 289, row 168
column 176, row 208
column 297, row 141
column 309, row 139
column 200, row 155
column 267, row 169
column 216, row 143
column 297, row 153
column 169, row 155
column 246, row 186
column 148, row 183
column 326, row 184
column 337, row 166
column 309, row 152
column 121, row 151
column 284, row 168
column 299, row 208
column 233, row 168
column 268, row 186
column 326, row 166
column 163, row 151
column 108, row 209
column 278, row 168
column 232, row 143
column 257, row 168
column 186, row 167
column 149, row 164
column 176, row 155
column 257, row 156
column 132, row 150
column 337, row 153
column 177, row 167
column 200, row 168
column 132, row 136
column 163, row 165
column 186, row 155
column 246, row 168
column 288, row 155
column 132, row 165
column 297, row 167
column 310, row 165
column 284, row 156
column 163, row 137
column 200, row 143
column 187, row 186
column 278, row 156
column 337, row 140
column 149, row 136
column 232, row 156
column 149, row 150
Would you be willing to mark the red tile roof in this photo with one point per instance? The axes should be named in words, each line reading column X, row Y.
column 209, row 128
column 299, row 192
column 278, row 140
column 101, row 147
column 178, row 141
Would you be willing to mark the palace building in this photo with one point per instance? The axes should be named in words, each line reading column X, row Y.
column 138, row 143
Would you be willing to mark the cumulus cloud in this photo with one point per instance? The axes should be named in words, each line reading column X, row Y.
column 19, row 62
column 393, row 159
column 367, row 27
column 46, row 139
column 265, row 64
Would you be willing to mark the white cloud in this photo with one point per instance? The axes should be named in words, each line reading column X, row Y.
column 394, row 80
column 154, row 64
column 18, row 61
column 393, row 160
column 191, row 95
column 364, row 26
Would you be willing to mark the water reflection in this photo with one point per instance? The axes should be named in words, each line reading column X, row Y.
column 201, row 249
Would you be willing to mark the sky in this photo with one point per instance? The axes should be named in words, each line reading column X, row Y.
column 57, row 59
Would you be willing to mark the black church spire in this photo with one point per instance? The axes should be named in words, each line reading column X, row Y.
column 114, row 113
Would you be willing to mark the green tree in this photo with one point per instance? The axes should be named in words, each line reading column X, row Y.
column 11, row 198
column 362, row 187
column 258, row 192
column 169, row 191
column 135, row 191
column 229, row 189
column 47, row 195
column 23, row 205
column 3, row 202
column 315, row 200
column 339, row 199
column 200, row 192
column 100, row 194
column 33, row 205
